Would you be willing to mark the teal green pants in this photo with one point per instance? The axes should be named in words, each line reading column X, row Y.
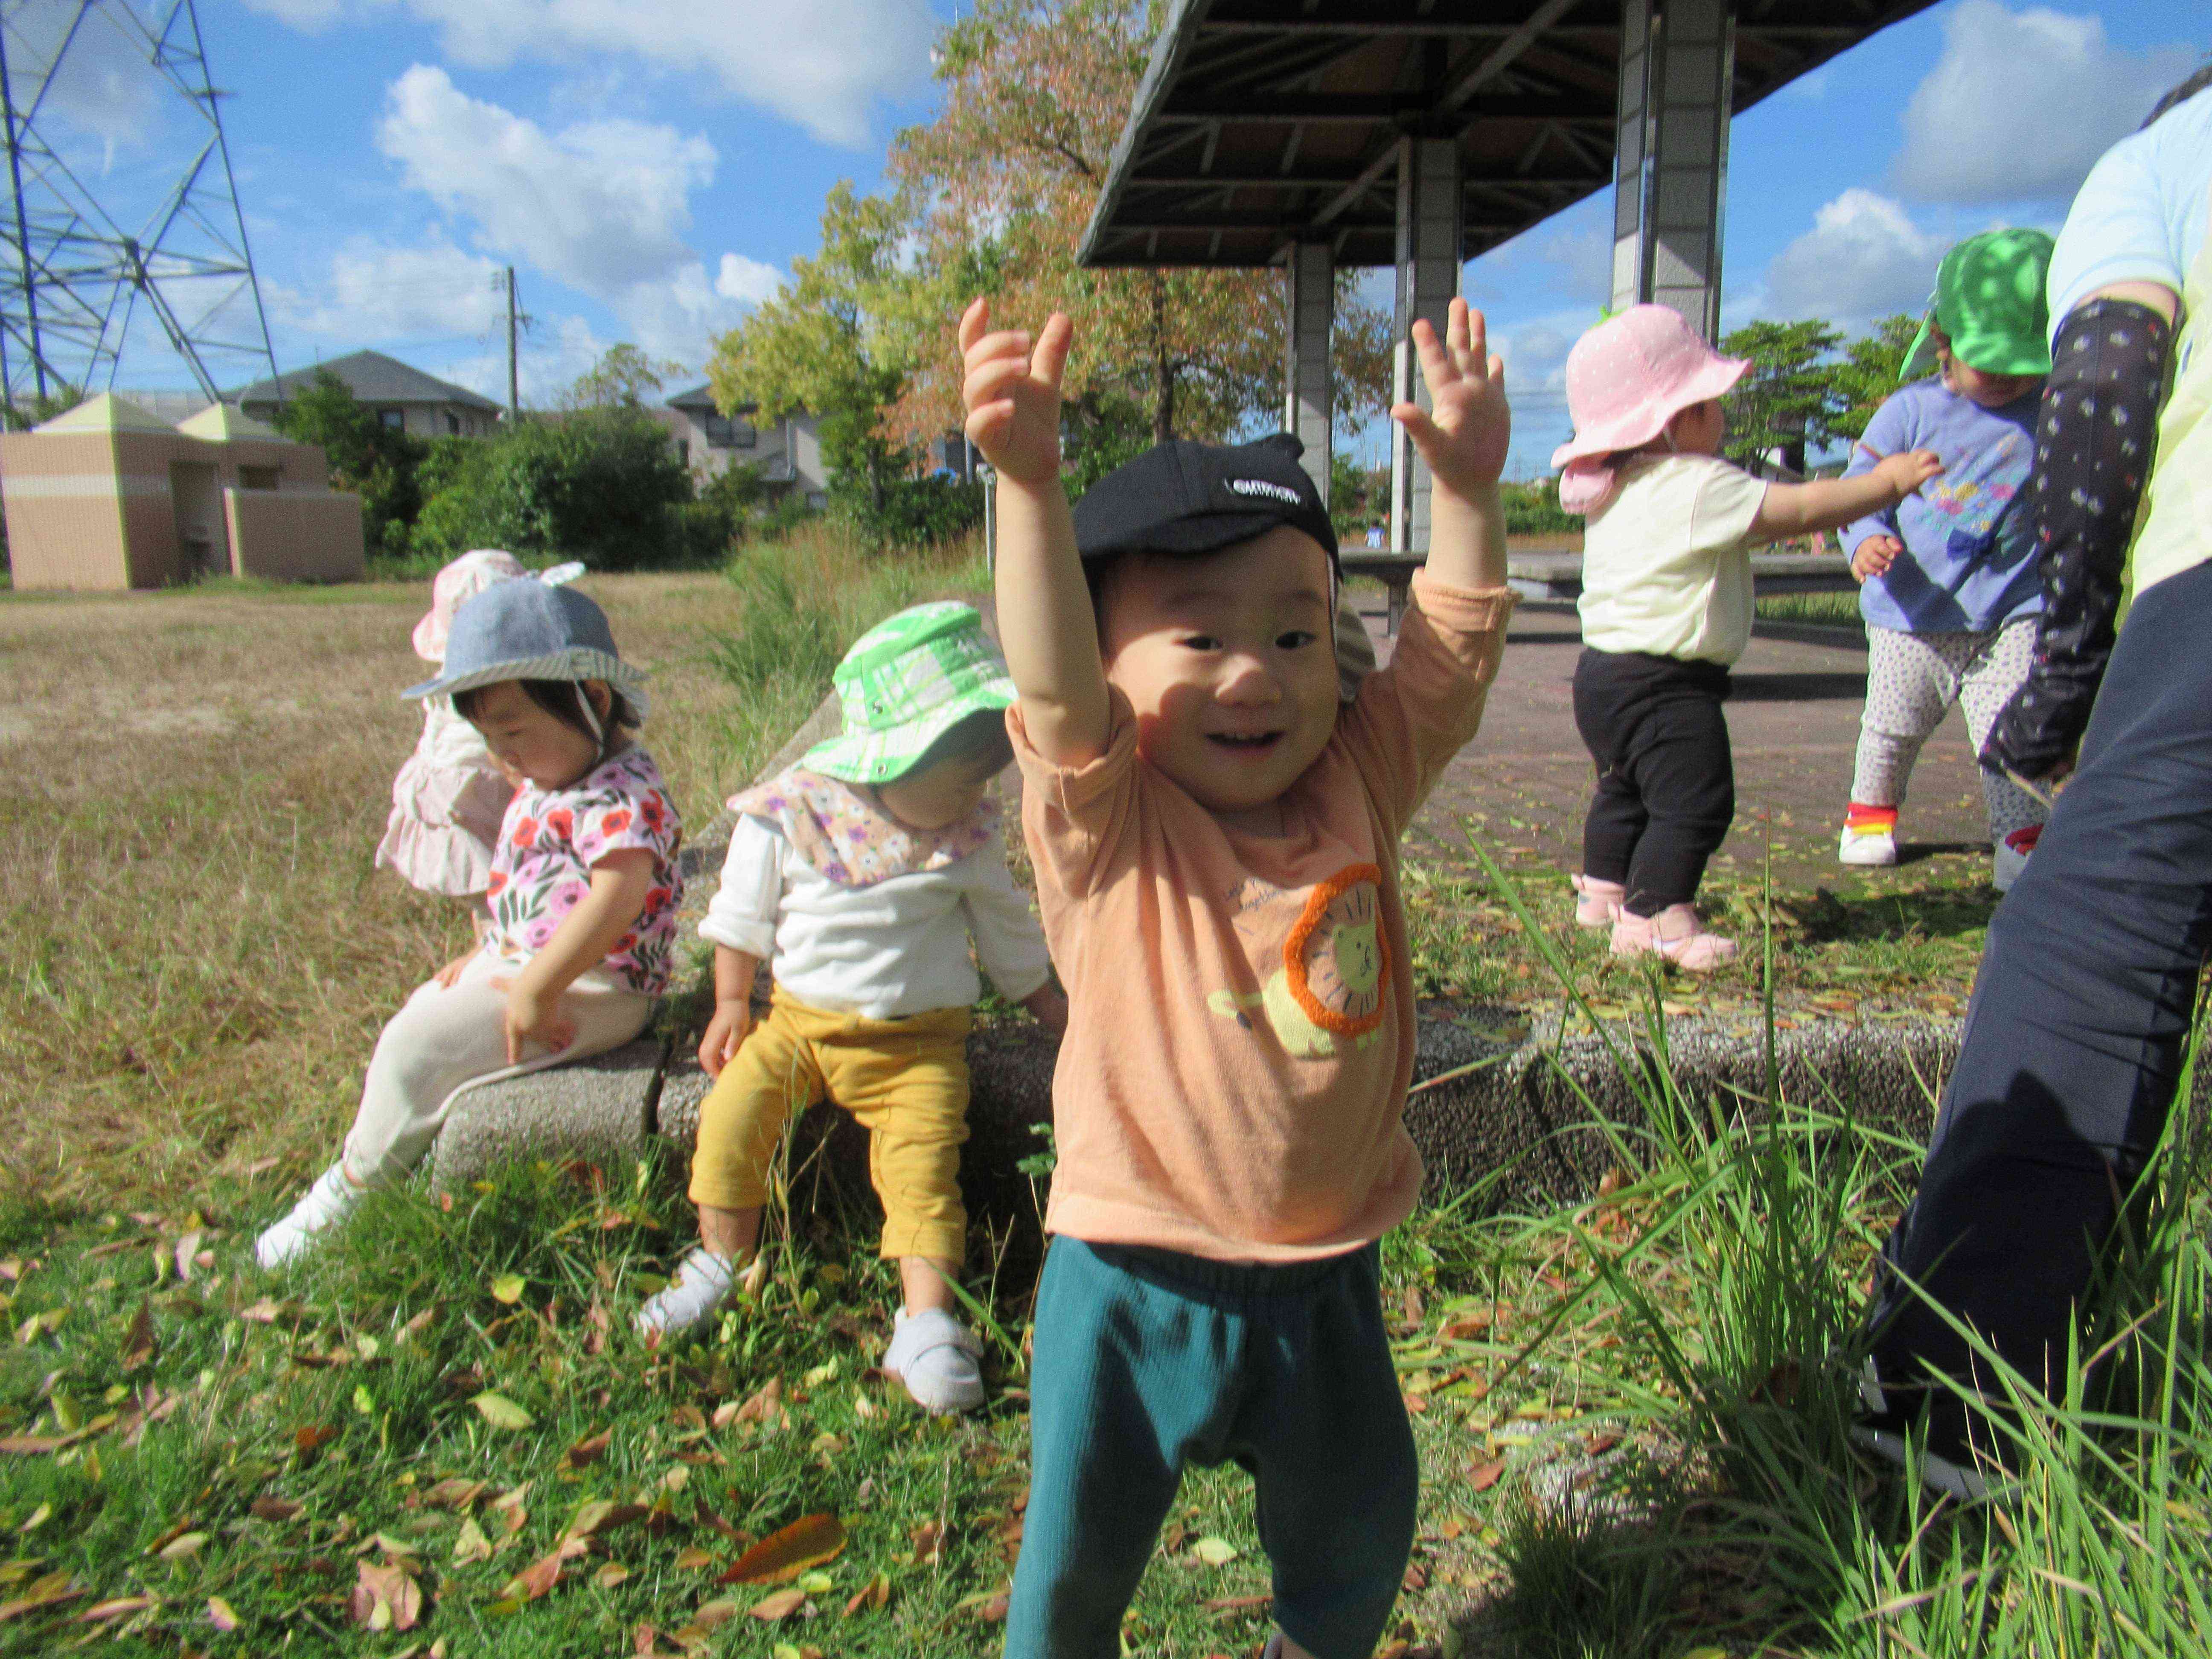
column 1147, row 1361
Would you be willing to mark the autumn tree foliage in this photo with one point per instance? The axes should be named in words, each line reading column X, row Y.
column 1036, row 92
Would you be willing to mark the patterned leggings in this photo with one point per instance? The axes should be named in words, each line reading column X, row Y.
column 1913, row 680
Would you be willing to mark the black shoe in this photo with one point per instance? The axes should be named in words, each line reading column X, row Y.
column 1958, row 1446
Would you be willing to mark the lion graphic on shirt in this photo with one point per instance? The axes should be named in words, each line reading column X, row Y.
column 1330, row 987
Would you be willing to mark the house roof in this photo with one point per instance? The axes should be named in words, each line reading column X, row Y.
column 374, row 378
column 106, row 413
column 223, row 422
column 1261, row 123
column 702, row 397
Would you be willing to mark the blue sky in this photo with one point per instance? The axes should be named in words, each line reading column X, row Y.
column 651, row 166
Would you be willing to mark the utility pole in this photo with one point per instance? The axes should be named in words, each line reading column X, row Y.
column 513, row 376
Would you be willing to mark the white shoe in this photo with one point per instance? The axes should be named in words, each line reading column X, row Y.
column 699, row 1284
column 2012, row 857
column 1868, row 844
column 323, row 1205
column 934, row 1355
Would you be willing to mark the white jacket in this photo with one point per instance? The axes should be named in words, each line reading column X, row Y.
column 896, row 948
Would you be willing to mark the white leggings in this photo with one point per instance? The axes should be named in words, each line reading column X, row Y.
column 1913, row 680
column 447, row 1041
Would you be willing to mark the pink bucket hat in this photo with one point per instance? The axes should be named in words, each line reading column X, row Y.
column 463, row 579
column 1626, row 379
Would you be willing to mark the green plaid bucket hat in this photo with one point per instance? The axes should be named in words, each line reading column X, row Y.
column 1989, row 298
column 904, row 684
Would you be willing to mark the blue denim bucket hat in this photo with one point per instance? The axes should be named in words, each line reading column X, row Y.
column 528, row 631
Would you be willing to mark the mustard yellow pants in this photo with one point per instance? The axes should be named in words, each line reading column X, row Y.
column 905, row 1080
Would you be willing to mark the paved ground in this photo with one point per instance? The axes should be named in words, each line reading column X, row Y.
column 1794, row 716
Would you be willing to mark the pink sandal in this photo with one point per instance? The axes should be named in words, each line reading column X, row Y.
column 1674, row 936
column 1597, row 902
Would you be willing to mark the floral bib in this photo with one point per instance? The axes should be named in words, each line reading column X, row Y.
column 851, row 841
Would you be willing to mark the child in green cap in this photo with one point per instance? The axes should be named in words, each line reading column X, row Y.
column 1950, row 592
column 860, row 875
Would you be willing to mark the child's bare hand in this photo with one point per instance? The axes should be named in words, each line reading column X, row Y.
column 1012, row 389
column 1874, row 555
column 1909, row 469
column 1464, row 435
column 1048, row 1006
column 533, row 1017
column 725, row 1031
column 450, row 974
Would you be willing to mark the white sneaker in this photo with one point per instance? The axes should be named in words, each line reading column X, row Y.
column 323, row 1205
column 699, row 1284
column 934, row 1355
column 2012, row 857
column 1868, row 844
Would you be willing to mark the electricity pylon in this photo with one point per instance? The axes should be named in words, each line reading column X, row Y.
column 74, row 281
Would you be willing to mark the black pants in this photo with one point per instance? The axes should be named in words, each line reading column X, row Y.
column 1666, row 781
column 2073, row 1043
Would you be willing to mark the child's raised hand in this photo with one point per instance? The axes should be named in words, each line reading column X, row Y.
column 1465, row 438
column 1874, row 555
column 1012, row 389
column 725, row 1031
column 533, row 1017
column 1909, row 469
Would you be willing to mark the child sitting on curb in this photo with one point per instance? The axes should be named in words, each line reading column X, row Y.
column 584, row 886
column 860, row 875
column 1951, row 594
column 1666, row 608
column 1214, row 820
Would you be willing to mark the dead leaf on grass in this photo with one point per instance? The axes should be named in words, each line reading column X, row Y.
column 692, row 1558
column 470, row 1545
column 271, row 1508
column 501, row 1412
column 1483, row 1476
column 311, row 1439
column 873, row 1596
column 385, row 1597
column 49, row 1591
column 220, row 1615
column 101, row 1612
column 588, row 1450
column 609, row 1574
column 788, row 1551
column 776, row 1608
column 454, row 1493
column 765, row 1406
column 928, row 1543
column 140, row 1345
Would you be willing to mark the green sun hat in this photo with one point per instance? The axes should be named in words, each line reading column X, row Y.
column 904, row 684
column 1989, row 298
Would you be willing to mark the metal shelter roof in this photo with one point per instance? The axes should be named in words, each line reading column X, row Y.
column 1261, row 123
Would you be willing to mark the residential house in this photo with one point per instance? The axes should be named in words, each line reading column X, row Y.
column 404, row 399
column 788, row 451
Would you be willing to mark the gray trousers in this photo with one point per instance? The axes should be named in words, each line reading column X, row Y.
column 1913, row 680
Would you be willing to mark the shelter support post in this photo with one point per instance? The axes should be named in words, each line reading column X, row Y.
column 1670, row 168
column 1308, row 391
column 1430, row 232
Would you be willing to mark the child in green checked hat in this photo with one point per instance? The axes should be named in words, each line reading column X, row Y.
column 1949, row 587
column 860, row 875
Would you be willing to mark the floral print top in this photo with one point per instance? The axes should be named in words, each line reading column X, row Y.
column 547, row 843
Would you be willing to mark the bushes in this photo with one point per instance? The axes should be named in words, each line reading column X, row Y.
column 900, row 513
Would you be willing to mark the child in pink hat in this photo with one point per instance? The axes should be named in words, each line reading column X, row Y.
column 448, row 797
column 1666, row 608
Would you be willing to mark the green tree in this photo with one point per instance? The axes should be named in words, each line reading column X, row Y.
column 1868, row 372
column 1788, row 399
column 624, row 377
column 367, row 457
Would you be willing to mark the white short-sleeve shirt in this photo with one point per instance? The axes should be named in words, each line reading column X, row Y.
column 1666, row 562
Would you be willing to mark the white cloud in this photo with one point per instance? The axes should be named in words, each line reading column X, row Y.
column 1864, row 257
column 1571, row 252
column 375, row 291
column 601, row 205
column 747, row 281
column 821, row 64
column 2023, row 103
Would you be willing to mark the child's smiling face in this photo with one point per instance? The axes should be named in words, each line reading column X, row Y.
column 1230, row 661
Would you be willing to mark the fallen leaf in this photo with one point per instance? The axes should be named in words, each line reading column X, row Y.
column 765, row 1406
column 1215, row 1552
column 1236, row 1603
column 501, row 1412
column 183, row 1547
column 101, row 1612
column 712, row 1615
column 472, row 1545
column 507, row 1288
column 873, row 1596
column 455, row 1493
column 33, row 1445
column 788, row 1551
column 267, row 1311
column 692, row 1558
column 139, row 1343
column 187, row 1251
column 219, row 1614
column 540, row 1576
column 928, row 1543
column 270, row 1507
column 993, row 1610
column 587, row 1451
column 385, row 1598
column 774, row 1609
column 1483, row 1476
column 46, row 1592
column 602, row 1516
column 306, row 1442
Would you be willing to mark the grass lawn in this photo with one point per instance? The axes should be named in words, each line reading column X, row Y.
column 439, row 1436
